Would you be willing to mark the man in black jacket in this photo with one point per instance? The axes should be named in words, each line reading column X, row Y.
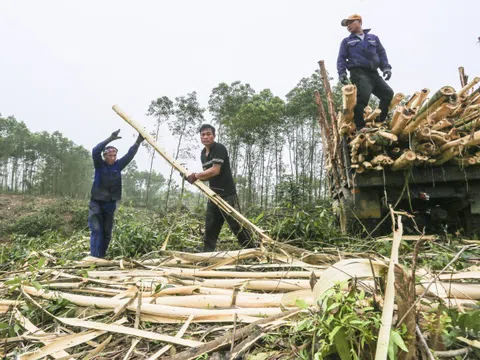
column 106, row 191
column 216, row 166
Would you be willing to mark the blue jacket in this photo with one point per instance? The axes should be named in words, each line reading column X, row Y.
column 367, row 54
column 107, row 181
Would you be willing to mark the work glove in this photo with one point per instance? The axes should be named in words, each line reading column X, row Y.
column 140, row 139
column 343, row 79
column 387, row 74
column 191, row 178
column 115, row 136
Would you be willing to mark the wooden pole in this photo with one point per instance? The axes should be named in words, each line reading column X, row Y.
column 467, row 87
column 349, row 97
column 445, row 94
column 404, row 161
column 463, row 77
column 329, row 93
column 395, row 101
column 417, row 103
column 215, row 198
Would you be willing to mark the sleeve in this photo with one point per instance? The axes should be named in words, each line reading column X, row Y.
column 382, row 55
column 219, row 155
column 342, row 59
column 97, row 153
column 125, row 160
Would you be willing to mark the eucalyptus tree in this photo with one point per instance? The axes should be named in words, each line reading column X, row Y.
column 184, row 126
column 303, row 134
column 161, row 109
column 224, row 104
column 256, row 122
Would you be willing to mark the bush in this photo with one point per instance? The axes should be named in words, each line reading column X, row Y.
column 305, row 227
column 36, row 224
column 139, row 232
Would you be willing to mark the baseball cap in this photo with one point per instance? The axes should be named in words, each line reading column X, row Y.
column 350, row 18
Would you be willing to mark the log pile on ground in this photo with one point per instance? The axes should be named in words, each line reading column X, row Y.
column 183, row 305
column 425, row 130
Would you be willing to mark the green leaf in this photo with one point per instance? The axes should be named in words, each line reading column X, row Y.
column 41, row 262
column 14, row 281
column 397, row 339
column 342, row 345
column 37, row 285
column 334, row 332
column 333, row 306
column 258, row 218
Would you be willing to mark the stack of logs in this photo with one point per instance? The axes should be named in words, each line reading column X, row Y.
column 423, row 130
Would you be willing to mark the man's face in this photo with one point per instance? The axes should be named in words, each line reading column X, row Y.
column 207, row 137
column 110, row 157
column 354, row 26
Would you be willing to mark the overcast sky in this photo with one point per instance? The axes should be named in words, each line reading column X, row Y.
column 63, row 64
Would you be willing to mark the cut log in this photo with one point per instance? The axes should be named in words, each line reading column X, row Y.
column 453, row 133
column 464, row 162
column 443, row 111
column 395, row 101
column 367, row 165
column 388, row 136
column 367, row 111
column 467, row 87
column 410, row 101
column 442, row 124
column 373, row 115
column 467, row 141
column 399, row 121
column 404, row 161
column 349, row 97
column 427, row 149
column 445, row 94
column 448, row 154
column 419, row 100
column 420, row 160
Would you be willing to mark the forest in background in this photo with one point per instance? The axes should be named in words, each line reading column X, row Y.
column 274, row 146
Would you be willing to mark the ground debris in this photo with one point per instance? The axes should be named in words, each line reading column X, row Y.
column 187, row 305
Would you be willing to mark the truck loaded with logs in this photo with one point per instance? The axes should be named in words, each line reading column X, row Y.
column 423, row 159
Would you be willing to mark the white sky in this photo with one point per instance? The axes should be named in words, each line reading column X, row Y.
column 63, row 64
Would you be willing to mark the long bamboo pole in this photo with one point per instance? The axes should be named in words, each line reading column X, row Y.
column 217, row 200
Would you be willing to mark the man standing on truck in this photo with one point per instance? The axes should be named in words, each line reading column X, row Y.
column 362, row 54
column 106, row 191
column 216, row 169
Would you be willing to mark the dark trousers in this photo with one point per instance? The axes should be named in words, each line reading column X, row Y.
column 214, row 221
column 368, row 82
column 100, row 220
